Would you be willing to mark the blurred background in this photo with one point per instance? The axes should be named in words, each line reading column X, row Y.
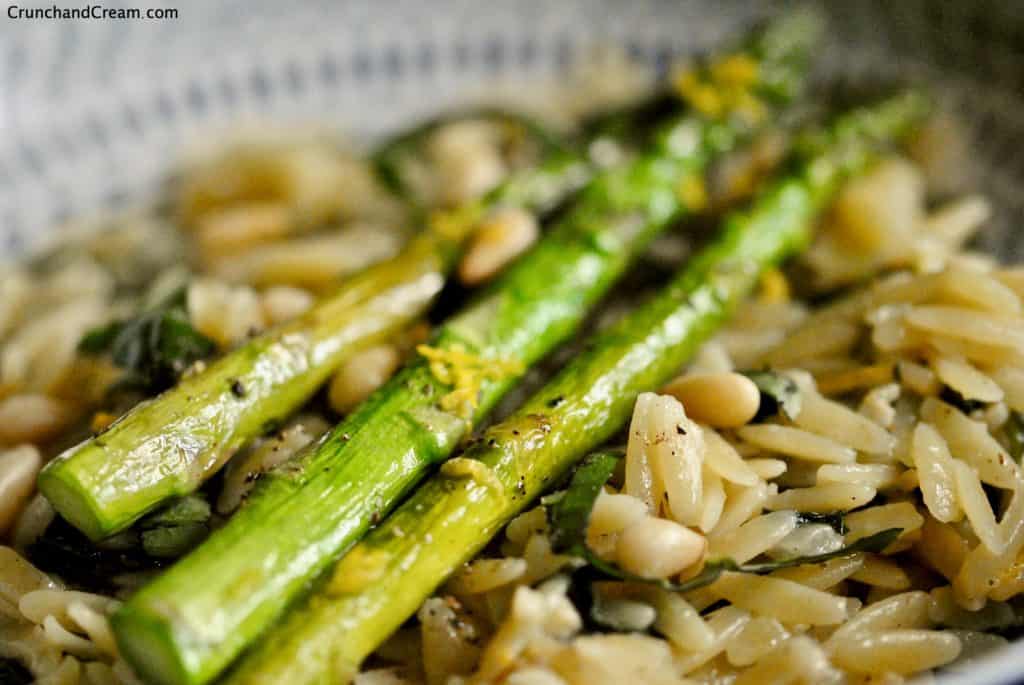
column 94, row 113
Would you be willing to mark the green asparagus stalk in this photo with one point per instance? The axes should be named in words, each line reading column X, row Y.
column 168, row 447
column 383, row 579
column 191, row 622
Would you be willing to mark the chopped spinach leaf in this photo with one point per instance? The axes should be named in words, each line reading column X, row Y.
column 570, row 514
column 835, row 519
column 173, row 542
column 187, row 510
column 14, row 673
column 164, row 534
column 63, row 551
column 951, row 396
column 779, row 394
column 176, row 529
column 154, row 347
column 871, row 544
column 632, row 123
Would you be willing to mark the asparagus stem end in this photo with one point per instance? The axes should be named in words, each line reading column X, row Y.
column 146, row 642
column 72, row 501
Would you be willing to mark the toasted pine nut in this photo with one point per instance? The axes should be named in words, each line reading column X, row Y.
column 471, row 175
column 32, row 418
column 774, row 287
column 659, row 548
column 223, row 312
column 360, row 376
column 613, row 513
column 283, row 302
column 468, row 158
column 722, row 400
column 18, row 470
column 503, row 237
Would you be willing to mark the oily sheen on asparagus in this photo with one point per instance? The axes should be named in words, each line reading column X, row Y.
column 385, row 578
column 168, row 447
column 189, row 624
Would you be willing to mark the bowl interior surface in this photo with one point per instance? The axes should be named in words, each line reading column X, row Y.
column 96, row 112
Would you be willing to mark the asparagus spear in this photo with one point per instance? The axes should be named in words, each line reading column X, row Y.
column 188, row 624
column 168, row 447
column 383, row 579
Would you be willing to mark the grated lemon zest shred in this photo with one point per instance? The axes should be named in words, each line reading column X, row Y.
column 463, row 467
column 692, row 192
column 101, row 420
column 466, row 373
column 701, row 96
column 774, row 287
column 362, row 567
column 723, row 89
column 740, row 70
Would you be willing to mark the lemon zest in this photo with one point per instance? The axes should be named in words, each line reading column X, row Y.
column 101, row 420
column 463, row 467
column 749, row 106
column 724, row 88
column 361, row 567
column 466, row 373
column 692, row 192
column 738, row 70
column 774, row 287
column 701, row 96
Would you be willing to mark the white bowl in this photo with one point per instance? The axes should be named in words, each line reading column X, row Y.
column 96, row 112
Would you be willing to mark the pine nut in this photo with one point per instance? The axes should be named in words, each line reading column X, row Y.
column 503, row 237
column 722, row 400
column 360, row 376
column 659, row 548
column 225, row 313
column 613, row 513
column 283, row 302
column 468, row 158
column 18, row 469
column 32, row 418
column 471, row 175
